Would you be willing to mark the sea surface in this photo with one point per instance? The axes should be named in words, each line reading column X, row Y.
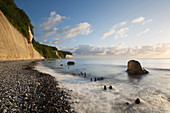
column 88, row 96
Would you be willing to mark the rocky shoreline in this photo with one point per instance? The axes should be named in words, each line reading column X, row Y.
column 23, row 89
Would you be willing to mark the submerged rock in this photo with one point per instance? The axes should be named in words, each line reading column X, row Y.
column 134, row 67
column 137, row 101
column 100, row 78
column 95, row 79
column 110, row 87
column 105, row 87
column 70, row 63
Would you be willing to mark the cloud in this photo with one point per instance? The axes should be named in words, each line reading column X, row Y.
column 138, row 20
column 50, row 29
column 53, row 41
column 160, row 31
column 67, row 32
column 121, row 33
column 143, row 32
column 87, row 50
column 113, row 30
column 50, row 32
column 122, row 51
column 52, row 21
column 148, row 21
column 119, row 24
column 106, row 34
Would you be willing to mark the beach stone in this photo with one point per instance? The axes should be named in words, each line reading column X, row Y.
column 127, row 103
column 134, row 67
column 5, row 111
column 70, row 63
column 27, row 90
column 110, row 87
column 137, row 101
column 105, row 87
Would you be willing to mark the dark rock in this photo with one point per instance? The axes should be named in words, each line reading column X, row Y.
column 110, row 87
column 134, row 67
column 137, row 101
column 8, row 106
column 70, row 63
column 95, row 79
column 61, row 64
column 91, row 79
column 100, row 78
column 127, row 103
column 105, row 87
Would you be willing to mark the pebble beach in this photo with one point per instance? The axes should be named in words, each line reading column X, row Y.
column 23, row 89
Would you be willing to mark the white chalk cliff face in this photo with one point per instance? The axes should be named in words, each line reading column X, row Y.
column 13, row 45
column 69, row 56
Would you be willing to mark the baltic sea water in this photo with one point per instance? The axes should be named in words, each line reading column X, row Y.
column 153, row 89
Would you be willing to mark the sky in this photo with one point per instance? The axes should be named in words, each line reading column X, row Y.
column 102, row 28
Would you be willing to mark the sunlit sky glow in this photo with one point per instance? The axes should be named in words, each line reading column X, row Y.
column 105, row 28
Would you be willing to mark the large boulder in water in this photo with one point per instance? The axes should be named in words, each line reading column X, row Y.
column 134, row 67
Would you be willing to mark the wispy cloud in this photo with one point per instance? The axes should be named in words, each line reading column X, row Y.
column 160, row 31
column 106, row 34
column 52, row 21
column 121, row 50
column 121, row 33
column 53, row 41
column 143, row 32
column 50, row 28
column 148, row 21
column 138, row 20
column 49, row 33
column 82, row 28
column 119, row 24
column 113, row 30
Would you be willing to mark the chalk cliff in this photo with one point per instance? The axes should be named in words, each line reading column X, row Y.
column 69, row 56
column 13, row 45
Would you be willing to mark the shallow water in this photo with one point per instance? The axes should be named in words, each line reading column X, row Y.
column 153, row 89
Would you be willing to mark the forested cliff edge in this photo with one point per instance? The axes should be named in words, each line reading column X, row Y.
column 16, row 36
